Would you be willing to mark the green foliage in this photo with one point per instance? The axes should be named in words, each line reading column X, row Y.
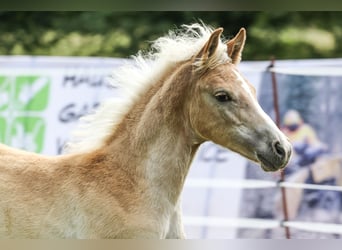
column 121, row 34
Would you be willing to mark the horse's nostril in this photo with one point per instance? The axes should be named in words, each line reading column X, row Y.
column 279, row 150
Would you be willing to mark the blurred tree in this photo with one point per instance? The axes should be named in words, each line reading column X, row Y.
column 120, row 34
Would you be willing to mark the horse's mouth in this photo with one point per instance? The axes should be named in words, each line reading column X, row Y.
column 268, row 165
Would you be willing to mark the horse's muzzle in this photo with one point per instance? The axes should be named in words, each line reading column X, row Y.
column 276, row 158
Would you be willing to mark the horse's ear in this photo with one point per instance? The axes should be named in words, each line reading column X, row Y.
column 235, row 46
column 211, row 45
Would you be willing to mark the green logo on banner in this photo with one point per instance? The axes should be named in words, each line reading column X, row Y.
column 28, row 132
column 5, row 84
column 2, row 129
column 31, row 93
column 22, row 99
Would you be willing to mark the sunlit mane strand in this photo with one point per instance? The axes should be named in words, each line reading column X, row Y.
column 134, row 78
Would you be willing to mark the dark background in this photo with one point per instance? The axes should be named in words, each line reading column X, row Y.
column 283, row 34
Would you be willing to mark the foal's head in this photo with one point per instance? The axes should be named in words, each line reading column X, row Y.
column 224, row 107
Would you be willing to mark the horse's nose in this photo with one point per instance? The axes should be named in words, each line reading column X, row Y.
column 282, row 151
column 279, row 150
column 276, row 156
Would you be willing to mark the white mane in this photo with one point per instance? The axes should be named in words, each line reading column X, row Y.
column 133, row 79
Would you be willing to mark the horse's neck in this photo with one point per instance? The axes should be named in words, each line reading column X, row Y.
column 157, row 136
column 166, row 162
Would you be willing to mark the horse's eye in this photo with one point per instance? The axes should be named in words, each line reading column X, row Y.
column 223, row 96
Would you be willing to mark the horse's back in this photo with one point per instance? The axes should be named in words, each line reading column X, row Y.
column 26, row 192
column 19, row 164
column 59, row 197
column 14, row 156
